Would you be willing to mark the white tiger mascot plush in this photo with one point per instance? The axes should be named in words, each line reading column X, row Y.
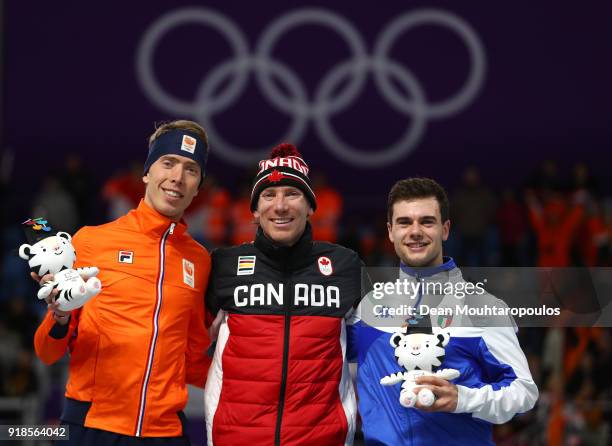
column 418, row 353
column 54, row 254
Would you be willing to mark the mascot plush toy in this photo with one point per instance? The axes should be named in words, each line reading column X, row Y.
column 419, row 354
column 53, row 253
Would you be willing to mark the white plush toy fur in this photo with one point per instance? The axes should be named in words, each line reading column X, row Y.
column 418, row 353
column 56, row 255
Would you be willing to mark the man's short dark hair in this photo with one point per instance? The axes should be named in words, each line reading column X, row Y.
column 413, row 188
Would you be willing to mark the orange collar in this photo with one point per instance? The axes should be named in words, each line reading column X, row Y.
column 151, row 222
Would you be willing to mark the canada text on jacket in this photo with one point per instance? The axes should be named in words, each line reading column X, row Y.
column 304, row 294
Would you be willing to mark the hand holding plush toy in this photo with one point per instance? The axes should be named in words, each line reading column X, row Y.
column 418, row 354
column 51, row 253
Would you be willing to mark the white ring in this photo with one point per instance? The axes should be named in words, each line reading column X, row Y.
column 248, row 156
column 381, row 156
column 159, row 28
column 298, row 18
column 466, row 93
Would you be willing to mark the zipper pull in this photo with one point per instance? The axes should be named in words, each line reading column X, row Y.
column 172, row 225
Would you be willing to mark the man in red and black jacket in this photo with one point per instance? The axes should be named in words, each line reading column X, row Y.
column 282, row 310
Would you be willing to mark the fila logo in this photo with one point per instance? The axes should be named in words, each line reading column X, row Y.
column 188, row 273
column 189, row 144
column 126, row 256
column 246, row 265
column 325, row 266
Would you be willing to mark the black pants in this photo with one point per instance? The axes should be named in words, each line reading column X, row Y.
column 74, row 417
column 87, row 436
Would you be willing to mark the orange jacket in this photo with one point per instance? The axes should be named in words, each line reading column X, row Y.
column 135, row 345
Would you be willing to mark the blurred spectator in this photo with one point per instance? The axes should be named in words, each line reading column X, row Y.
column 218, row 201
column 554, row 225
column 9, row 352
column 207, row 216
column 553, row 351
column 472, row 211
column 78, row 182
column 375, row 247
column 512, row 224
column 56, row 205
column 20, row 379
column 584, row 414
column 605, row 255
column 583, row 180
column 351, row 235
column 329, row 210
column 552, row 413
column 15, row 273
column 21, row 320
column 591, row 241
column 124, row 191
column 194, row 216
column 546, row 178
column 243, row 227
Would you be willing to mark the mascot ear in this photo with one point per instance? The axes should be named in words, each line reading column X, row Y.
column 395, row 339
column 64, row 235
column 443, row 337
column 25, row 251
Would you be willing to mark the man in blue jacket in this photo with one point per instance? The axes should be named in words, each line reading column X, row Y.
column 494, row 380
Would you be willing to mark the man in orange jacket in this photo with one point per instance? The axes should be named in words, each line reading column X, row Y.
column 135, row 346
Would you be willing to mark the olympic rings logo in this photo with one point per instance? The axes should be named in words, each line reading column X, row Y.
column 234, row 74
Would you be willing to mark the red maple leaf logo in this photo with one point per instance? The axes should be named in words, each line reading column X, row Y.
column 275, row 176
column 324, row 261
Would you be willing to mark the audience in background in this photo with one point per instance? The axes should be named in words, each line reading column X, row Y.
column 123, row 191
column 325, row 221
column 242, row 226
column 76, row 179
column 511, row 221
column 472, row 214
column 56, row 204
column 554, row 222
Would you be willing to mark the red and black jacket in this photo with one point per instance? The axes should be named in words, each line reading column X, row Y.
column 279, row 374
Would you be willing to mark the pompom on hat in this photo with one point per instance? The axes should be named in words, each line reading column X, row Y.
column 285, row 167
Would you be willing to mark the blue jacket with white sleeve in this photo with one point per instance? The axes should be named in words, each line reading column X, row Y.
column 494, row 382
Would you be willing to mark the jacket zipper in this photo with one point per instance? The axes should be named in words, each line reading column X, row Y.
column 283, row 388
column 160, row 280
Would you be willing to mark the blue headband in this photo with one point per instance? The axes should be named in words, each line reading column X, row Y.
column 179, row 142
